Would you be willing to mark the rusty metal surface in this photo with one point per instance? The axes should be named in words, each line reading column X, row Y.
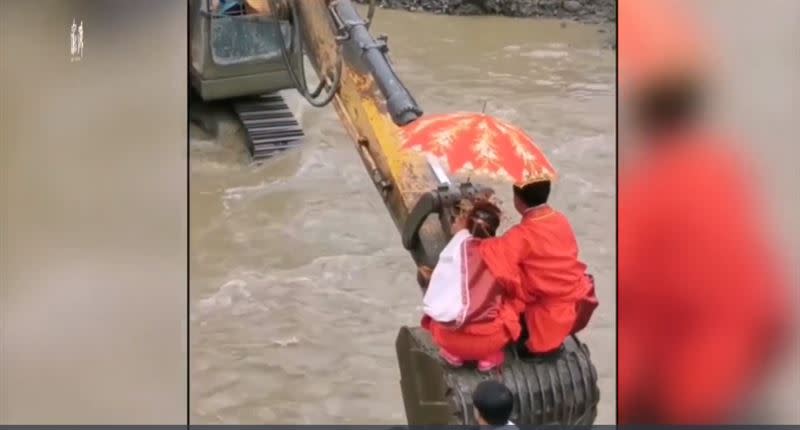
column 362, row 110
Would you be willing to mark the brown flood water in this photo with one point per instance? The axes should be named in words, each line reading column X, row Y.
column 299, row 282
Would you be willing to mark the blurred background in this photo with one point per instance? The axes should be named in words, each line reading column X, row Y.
column 93, row 224
column 759, row 97
column 743, row 224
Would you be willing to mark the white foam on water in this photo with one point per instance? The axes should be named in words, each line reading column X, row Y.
column 286, row 342
column 542, row 54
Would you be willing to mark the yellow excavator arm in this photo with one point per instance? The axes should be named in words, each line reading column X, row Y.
column 373, row 105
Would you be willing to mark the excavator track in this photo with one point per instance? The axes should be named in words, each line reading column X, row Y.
column 270, row 125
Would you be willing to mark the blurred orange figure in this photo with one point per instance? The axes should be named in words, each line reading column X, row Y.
column 700, row 296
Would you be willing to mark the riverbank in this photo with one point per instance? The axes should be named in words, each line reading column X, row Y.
column 587, row 11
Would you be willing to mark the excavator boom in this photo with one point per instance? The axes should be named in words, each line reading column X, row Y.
column 372, row 104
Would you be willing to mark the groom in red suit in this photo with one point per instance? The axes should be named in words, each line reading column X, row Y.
column 538, row 260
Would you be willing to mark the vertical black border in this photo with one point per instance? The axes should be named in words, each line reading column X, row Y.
column 188, row 216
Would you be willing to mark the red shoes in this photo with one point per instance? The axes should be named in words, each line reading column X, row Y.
column 491, row 362
column 450, row 358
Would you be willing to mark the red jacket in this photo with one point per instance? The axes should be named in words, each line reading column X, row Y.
column 489, row 319
column 538, row 259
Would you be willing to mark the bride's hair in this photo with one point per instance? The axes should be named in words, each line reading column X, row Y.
column 483, row 219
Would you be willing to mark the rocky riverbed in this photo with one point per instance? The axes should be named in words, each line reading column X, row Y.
column 588, row 11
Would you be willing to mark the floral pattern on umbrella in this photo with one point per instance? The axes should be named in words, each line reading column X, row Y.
column 481, row 144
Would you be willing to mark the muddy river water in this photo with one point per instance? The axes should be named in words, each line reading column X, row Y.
column 299, row 282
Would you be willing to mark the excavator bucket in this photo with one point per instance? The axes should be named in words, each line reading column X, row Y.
column 559, row 389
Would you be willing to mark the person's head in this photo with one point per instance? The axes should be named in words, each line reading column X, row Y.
column 665, row 65
column 483, row 219
column 530, row 195
column 492, row 403
column 668, row 104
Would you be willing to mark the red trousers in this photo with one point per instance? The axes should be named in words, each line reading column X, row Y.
column 473, row 342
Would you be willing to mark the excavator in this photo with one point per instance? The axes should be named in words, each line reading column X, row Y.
column 244, row 52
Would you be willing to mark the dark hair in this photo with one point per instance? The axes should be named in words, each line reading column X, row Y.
column 493, row 401
column 669, row 103
column 534, row 194
column 483, row 219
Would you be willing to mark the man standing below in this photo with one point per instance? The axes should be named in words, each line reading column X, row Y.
column 492, row 404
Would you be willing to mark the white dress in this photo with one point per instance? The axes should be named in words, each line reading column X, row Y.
column 445, row 300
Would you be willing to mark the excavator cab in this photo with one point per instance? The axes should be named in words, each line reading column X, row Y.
column 239, row 54
column 235, row 49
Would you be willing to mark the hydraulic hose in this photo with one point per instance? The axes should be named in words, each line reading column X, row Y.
column 372, row 56
column 299, row 78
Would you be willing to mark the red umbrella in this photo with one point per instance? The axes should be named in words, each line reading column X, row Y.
column 479, row 143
